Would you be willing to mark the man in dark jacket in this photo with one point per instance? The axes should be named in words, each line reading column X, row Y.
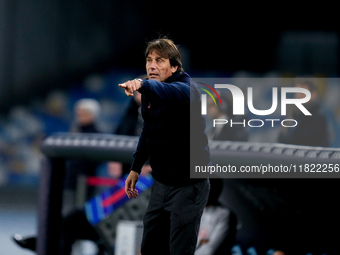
column 172, row 123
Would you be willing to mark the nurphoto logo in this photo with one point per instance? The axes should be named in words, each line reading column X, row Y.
column 239, row 99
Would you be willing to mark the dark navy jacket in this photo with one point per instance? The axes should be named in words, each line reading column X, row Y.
column 171, row 111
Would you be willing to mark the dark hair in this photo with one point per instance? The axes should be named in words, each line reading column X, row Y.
column 166, row 49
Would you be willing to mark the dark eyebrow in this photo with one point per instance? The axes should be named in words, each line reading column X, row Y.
column 147, row 58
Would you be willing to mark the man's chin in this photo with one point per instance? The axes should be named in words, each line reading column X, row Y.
column 156, row 78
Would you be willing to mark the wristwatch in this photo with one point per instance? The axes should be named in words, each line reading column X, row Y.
column 141, row 81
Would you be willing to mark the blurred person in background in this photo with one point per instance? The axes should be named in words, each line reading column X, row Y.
column 279, row 252
column 311, row 130
column 218, row 227
column 224, row 132
column 75, row 226
column 170, row 105
column 87, row 113
column 130, row 124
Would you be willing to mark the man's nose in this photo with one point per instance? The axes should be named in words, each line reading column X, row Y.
column 152, row 64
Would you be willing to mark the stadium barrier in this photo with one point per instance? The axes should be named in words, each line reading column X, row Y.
column 107, row 147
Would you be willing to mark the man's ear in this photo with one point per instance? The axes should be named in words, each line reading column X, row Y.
column 174, row 69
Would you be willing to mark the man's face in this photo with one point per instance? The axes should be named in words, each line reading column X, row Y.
column 83, row 117
column 158, row 68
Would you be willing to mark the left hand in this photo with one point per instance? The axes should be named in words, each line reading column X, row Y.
column 130, row 184
column 131, row 86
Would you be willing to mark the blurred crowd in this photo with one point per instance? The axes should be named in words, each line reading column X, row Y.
column 97, row 105
column 25, row 126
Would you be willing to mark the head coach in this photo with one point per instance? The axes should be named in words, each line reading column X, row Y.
column 172, row 121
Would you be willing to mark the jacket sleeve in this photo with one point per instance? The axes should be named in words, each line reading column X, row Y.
column 141, row 154
column 176, row 92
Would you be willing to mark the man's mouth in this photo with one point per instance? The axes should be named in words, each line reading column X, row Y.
column 153, row 75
